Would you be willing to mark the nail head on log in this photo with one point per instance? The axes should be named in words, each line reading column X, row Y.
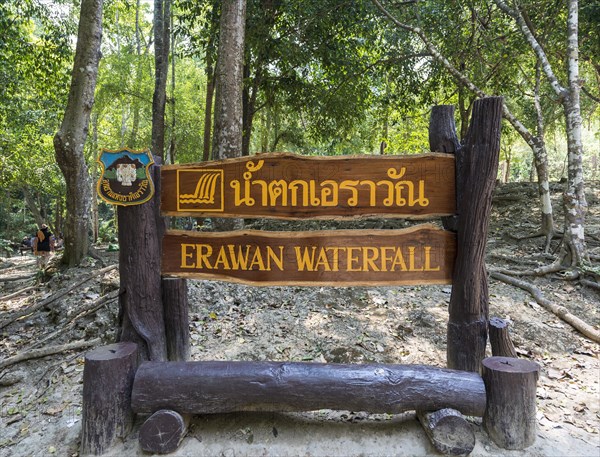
column 107, row 382
column 510, row 414
column 163, row 431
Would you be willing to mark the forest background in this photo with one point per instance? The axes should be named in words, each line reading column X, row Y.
column 320, row 77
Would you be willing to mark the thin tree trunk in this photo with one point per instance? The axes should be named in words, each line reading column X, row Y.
column 33, row 207
column 540, row 157
column 228, row 128
column 210, row 87
column 95, row 221
column 138, row 78
column 573, row 250
column 208, row 106
column 227, row 139
column 162, row 12
column 574, row 197
column 70, row 139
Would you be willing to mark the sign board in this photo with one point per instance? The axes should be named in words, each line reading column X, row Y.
column 125, row 179
column 296, row 187
column 418, row 255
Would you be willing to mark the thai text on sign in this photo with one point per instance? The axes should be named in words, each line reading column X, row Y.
column 417, row 255
column 292, row 186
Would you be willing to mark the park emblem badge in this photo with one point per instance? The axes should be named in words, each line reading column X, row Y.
column 125, row 179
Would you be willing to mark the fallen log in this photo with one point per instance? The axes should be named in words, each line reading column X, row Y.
column 448, row 431
column 560, row 311
column 24, row 312
column 43, row 352
column 220, row 387
column 163, row 431
column 16, row 294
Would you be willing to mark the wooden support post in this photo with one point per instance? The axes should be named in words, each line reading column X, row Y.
column 510, row 414
column 500, row 338
column 175, row 302
column 163, row 431
column 448, row 431
column 442, row 138
column 219, row 387
column 477, row 166
column 107, row 381
column 141, row 309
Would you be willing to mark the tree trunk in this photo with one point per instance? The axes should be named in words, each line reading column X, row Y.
column 33, row 207
column 95, row 220
column 228, row 128
column 208, row 106
column 162, row 12
column 478, row 166
column 70, row 139
column 540, row 158
column 138, row 78
column 227, row 136
column 574, row 197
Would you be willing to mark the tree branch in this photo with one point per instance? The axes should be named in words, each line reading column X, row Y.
column 535, row 45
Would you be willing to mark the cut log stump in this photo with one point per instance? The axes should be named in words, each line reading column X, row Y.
column 163, row 431
column 500, row 338
column 107, row 382
column 448, row 431
column 510, row 414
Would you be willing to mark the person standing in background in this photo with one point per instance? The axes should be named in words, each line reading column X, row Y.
column 42, row 246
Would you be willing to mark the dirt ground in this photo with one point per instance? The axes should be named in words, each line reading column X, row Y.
column 40, row 399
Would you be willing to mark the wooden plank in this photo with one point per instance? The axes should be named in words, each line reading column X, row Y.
column 297, row 187
column 422, row 254
column 223, row 387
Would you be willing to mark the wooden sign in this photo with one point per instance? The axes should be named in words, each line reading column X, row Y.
column 418, row 255
column 295, row 187
column 125, row 179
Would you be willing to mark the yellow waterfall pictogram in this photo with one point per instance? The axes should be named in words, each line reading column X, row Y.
column 207, row 195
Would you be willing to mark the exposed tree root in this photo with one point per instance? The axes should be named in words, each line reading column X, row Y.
column 24, row 312
column 588, row 283
column 560, row 311
column 16, row 278
column 51, row 350
column 18, row 267
column 540, row 271
column 519, row 260
column 93, row 307
column 17, row 293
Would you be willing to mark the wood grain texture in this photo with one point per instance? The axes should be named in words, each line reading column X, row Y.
column 141, row 310
column 500, row 338
column 422, row 254
column 219, row 387
column 510, row 415
column 106, row 409
column 162, row 432
column 468, row 310
column 177, row 321
column 297, row 187
column 448, row 431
